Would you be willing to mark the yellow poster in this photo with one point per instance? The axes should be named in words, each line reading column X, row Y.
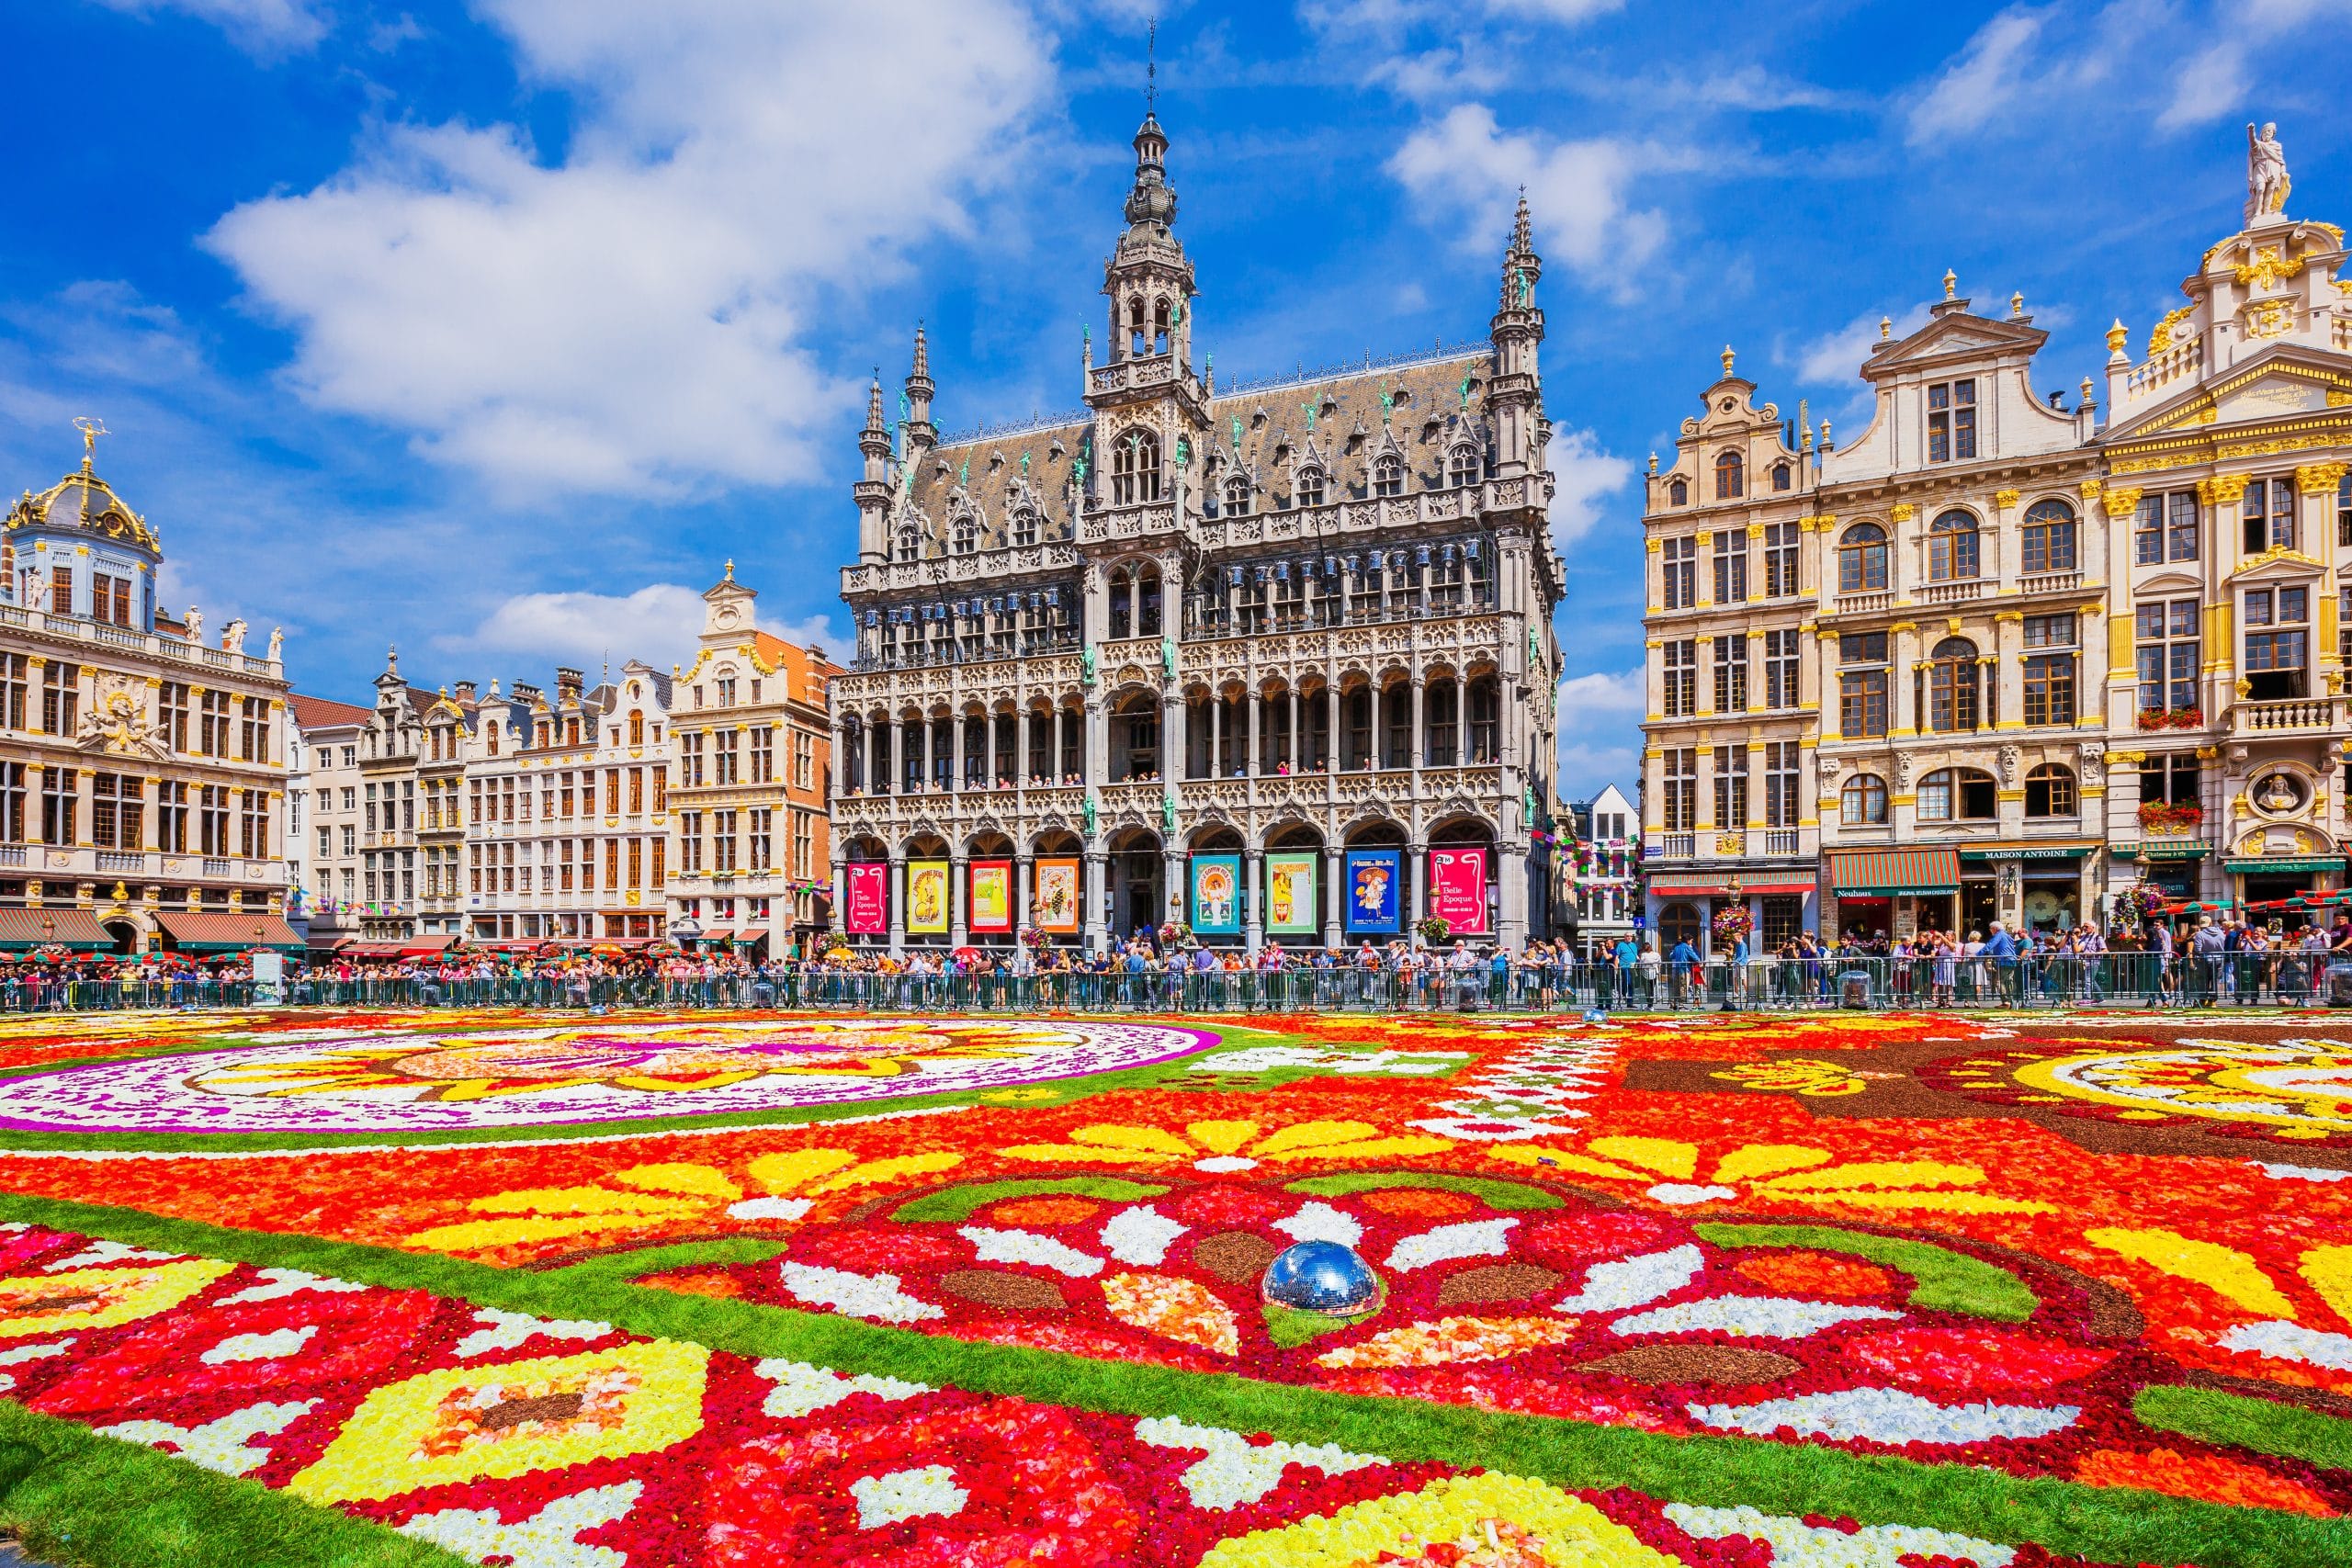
column 927, row 897
column 1057, row 885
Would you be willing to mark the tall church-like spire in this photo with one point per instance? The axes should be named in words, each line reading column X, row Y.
column 921, row 432
column 872, row 491
column 1515, row 396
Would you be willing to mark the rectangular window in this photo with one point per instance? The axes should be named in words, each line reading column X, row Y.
column 1781, row 776
column 804, row 842
column 253, row 824
column 722, row 842
column 1679, row 661
column 2171, row 778
column 1731, row 673
column 1731, row 786
column 1951, row 422
column 110, row 599
column 2164, row 527
column 13, row 687
column 12, row 803
column 253, row 723
column 2049, row 631
column 171, row 716
column 212, row 819
column 60, row 590
column 660, row 854
column 61, row 698
column 763, row 755
column 724, row 756
column 690, row 760
column 1861, row 684
column 212, row 724
column 690, row 841
column 1731, row 566
column 2277, row 641
column 762, row 839
column 171, row 820
column 117, row 811
column 2167, row 648
column 1781, row 664
column 1679, row 564
column 57, row 805
column 1779, row 559
column 2050, row 689
column 1679, row 772
column 2268, row 510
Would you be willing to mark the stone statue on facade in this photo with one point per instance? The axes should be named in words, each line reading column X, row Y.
column 1086, row 664
column 277, row 643
column 194, row 621
column 2265, row 172
column 1168, row 657
column 1092, row 814
column 117, row 722
column 232, row 637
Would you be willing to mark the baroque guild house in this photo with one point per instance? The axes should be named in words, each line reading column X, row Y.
column 1271, row 660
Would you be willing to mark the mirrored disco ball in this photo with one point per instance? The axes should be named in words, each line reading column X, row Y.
column 1323, row 1276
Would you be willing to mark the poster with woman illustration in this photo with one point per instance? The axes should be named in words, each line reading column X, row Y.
column 1216, row 895
column 1058, row 902
column 1291, row 908
column 991, row 896
column 1374, row 878
column 927, row 898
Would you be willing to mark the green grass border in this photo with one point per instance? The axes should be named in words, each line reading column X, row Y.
column 2110, row 1524
column 1177, row 1072
column 76, row 1497
column 1942, row 1278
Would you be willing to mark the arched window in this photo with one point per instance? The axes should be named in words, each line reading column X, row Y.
column 2049, row 543
column 1463, row 466
column 1024, row 524
column 1952, row 553
column 1679, row 923
column 1678, row 493
column 965, row 537
column 1146, row 602
column 1136, row 339
column 2050, row 791
column 1862, row 803
column 1135, row 468
column 1387, row 475
column 1862, row 559
column 1310, row 486
column 1237, row 496
column 1780, row 477
column 1122, row 604
column 909, row 543
column 1958, row 795
column 1731, row 477
column 1952, row 686
column 1159, row 326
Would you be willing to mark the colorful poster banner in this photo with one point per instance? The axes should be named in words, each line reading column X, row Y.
column 991, row 896
column 866, row 898
column 927, row 898
column 1374, row 879
column 1458, row 888
column 1216, row 895
column 1058, row 897
column 1291, row 908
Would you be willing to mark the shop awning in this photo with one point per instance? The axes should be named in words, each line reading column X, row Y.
column 1717, row 883
column 1869, row 872
column 2259, row 864
column 78, row 929
column 431, row 946
column 2168, row 848
column 2028, row 852
column 723, row 936
column 219, row 932
column 371, row 950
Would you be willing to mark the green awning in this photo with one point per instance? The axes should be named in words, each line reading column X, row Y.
column 2261, row 863
column 2031, row 852
column 2169, row 849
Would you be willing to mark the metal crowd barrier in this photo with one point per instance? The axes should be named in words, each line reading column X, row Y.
column 1827, row 982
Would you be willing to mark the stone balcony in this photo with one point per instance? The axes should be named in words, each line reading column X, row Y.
column 2286, row 717
column 131, row 867
column 73, row 628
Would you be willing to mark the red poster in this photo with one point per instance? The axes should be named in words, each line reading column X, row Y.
column 866, row 898
column 989, row 900
column 1458, row 889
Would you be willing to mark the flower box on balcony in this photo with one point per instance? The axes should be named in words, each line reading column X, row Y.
column 2172, row 718
column 2164, row 819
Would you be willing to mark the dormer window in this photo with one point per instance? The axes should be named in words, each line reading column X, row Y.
column 1387, row 475
column 1461, row 467
column 909, row 543
column 1134, row 468
column 1310, row 486
column 1781, row 478
column 1951, row 422
column 965, row 537
column 1024, row 526
column 1678, row 493
column 1237, row 496
column 1731, row 477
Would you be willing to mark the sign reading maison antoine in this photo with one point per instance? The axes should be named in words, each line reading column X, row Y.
column 1289, row 639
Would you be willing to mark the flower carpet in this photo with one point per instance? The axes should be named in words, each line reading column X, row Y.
column 552, row 1291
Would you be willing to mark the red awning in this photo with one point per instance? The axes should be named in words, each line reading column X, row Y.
column 427, row 946
column 52, row 928
column 219, row 932
column 370, row 950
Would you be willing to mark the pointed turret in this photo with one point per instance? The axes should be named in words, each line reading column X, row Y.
column 1515, row 394
column 872, row 492
column 921, row 432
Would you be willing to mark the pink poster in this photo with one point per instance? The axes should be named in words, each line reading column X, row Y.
column 867, row 899
column 1458, row 889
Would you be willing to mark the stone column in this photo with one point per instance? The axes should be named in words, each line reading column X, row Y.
column 838, row 755
column 1022, row 893
column 1098, row 744
column 957, row 870
column 1097, row 885
column 1417, row 863
column 1296, row 755
column 1253, row 898
column 1331, row 728
column 988, row 753
column 1216, row 735
column 955, row 743
column 898, row 894
column 1511, row 927
column 1256, row 743
column 1173, row 738
column 1331, row 895
column 1175, row 901
column 1419, row 754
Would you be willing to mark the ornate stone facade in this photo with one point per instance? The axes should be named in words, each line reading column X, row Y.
column 1299, row 615
column 142, row 770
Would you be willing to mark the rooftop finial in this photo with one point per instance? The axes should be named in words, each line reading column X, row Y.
column 730, row 569
column 91, row 430
column 1726, row 361
column 1951, row 283
column 1151, row 68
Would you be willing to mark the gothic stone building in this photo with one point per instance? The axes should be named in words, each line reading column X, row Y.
column 1218, row 651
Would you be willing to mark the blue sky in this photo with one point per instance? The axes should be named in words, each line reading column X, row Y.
column 494, row 328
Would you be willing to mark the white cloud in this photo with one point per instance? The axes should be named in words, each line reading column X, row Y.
column 1987, row 77
column 1599, row 716
column 2206, row 87
column 261, row 26
column 1835, row 359
column 658, row 624
column 1554, row 10
column 632, row 318
column 1582, row 474
column 1464, row 162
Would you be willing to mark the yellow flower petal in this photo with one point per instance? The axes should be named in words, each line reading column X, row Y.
column 1153, row 1140
column 1370, row 1148
column 1222, row 1137
column 2224, row 1270
column 1942, row 1203
column 1877, row 1173
column 1562, row 1160
column 1321, row 1135
column 695, row 1181
column 475, row 1233
column 2328, row 1269
column 1080, row 1154
column 1767, row 1159
column 779, row 1174
column 582, row 1201
column 1667, row 1156
column 877, row 1170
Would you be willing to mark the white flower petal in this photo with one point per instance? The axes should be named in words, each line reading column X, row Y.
column 283, row 1282
column 1683, row 1192
column 769, row 1208
column 1633, row 1281
column 859, row 1295
column 549, row 1539
column 803, row 1390
column 1763, row 1317
column 1235, row 1471
column 272, row 1346
column 1140, row 1235
column 1320, row 1222
column 103, row 1252
column 1473, row 1238
column 2292, row 1342
column 225, row 1444
column 1887, row 1415
column 1796, row 1544
column 1219, row 1164
column 511, row 1330
column 907, row 1495
column 990, row 1246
